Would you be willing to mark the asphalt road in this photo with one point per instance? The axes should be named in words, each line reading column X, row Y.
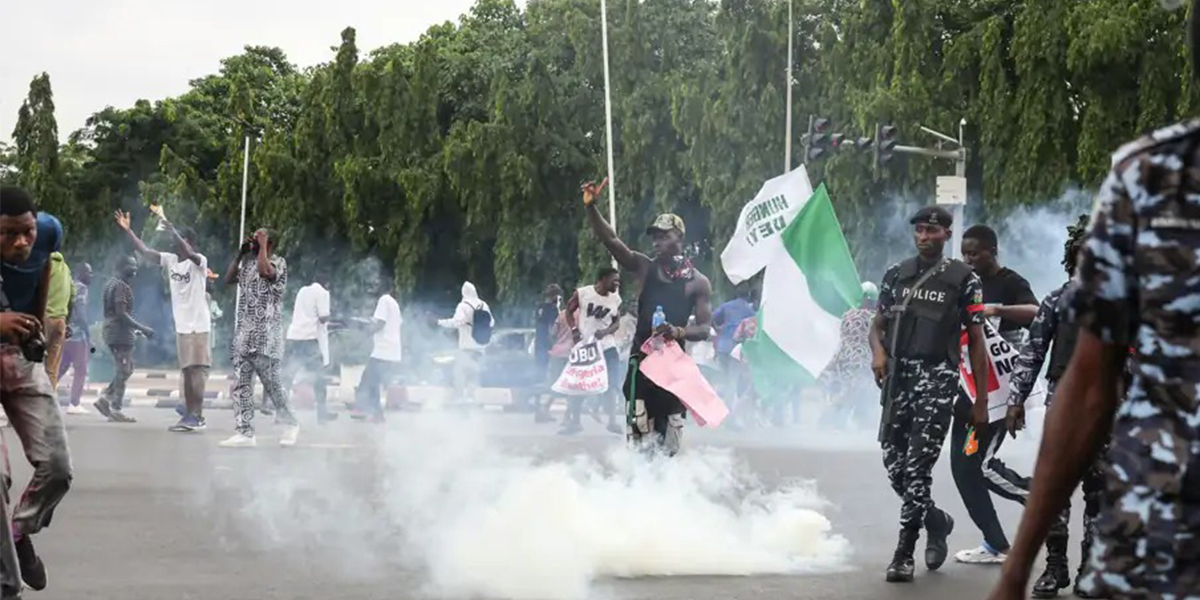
column 157, row 515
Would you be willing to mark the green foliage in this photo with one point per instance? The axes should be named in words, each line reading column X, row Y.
column 459, row 155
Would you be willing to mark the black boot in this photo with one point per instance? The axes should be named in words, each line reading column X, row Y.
column 1085, row 549
column 938, row 525
column 901, row 569
column 1056, row 576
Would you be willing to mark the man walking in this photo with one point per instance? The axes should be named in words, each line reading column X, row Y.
column 670, row 284
column 120, row 331
column 186, row 271
column 78, row 348
column 592, row 313
column 1007, row 297
column 473, row 320
column 308, row 345
column 924, row 304
column 261, row 277
column 27, row 238
column 543, row 336
column 385, row 355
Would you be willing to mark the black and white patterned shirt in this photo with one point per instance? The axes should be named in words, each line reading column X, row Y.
column 260, row 309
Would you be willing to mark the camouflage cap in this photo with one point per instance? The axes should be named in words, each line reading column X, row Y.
column 933, row 215
column 667, row 222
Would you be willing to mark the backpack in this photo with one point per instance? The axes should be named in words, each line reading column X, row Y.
column 481, row 325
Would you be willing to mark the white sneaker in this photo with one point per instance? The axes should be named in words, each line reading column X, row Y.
column 77, row 410
column 980, row 556
column 290, row 433
column 238, row 440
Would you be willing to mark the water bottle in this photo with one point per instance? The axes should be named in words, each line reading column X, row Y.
column 659, row 318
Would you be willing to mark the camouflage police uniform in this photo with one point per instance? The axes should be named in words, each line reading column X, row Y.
column 926, row 383
column 1053, row 326
column 1138, row 286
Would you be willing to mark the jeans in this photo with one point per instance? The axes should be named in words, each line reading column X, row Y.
column 375, row 377
column 304, row 364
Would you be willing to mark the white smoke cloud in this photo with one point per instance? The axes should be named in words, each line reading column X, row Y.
column 480, row 521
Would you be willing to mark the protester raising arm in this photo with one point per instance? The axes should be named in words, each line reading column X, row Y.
column 123, row 222
column 633, row 261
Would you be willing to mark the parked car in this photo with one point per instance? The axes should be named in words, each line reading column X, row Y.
column 507, row 362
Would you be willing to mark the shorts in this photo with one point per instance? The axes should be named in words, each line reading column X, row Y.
column 659, row 402
column 193, row 350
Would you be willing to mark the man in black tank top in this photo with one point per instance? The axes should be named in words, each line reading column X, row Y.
column 924, row 304
column 668, row 281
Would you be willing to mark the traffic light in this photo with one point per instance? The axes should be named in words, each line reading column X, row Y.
column 885, row 144
column 817, row 139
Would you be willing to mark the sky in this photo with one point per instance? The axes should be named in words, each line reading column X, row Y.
column 113, row 52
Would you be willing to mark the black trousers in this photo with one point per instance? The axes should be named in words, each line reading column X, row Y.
column 982, row 474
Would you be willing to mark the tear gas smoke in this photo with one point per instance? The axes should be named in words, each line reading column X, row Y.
column 479, row 521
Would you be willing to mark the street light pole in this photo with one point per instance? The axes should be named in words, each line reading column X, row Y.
column 608, row 128
column 787, row 135
column 242, row 225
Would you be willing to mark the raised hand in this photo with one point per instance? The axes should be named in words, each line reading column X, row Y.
column 122, row 219
column 591, row 191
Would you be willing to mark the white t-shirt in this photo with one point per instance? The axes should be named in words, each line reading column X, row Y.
column 387, row 339
column 188, row 301
column 312, row 303
column 596, row 313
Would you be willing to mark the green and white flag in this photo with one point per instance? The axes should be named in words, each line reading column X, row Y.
column 810, row 282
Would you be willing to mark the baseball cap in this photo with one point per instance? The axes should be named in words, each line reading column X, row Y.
column 666, row 222
column 933, row 215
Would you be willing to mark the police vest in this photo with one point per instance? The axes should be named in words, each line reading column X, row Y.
column 931, row 325
column 1064, row 347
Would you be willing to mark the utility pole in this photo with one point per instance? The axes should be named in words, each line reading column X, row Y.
column 787, row 135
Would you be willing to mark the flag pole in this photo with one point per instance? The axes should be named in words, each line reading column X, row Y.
column 608, row 128
column 787, row 135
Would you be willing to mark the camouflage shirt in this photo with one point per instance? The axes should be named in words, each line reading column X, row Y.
column 1138, row 286
column 1037, row 345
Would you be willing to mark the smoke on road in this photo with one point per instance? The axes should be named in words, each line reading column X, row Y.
column 481, row 521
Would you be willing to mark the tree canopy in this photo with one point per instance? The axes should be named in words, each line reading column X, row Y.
column 460, row 155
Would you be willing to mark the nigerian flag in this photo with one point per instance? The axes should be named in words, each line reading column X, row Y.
column 810, row 282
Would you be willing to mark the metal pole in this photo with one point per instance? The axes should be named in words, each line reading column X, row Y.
column 787, row 139
column 608, row 128
column 959, row 212
column 242, row 225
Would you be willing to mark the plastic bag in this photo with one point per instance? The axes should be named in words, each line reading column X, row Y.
column 586, row 373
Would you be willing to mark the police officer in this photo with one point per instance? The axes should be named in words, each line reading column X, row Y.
column 1053, row 334
column 924, row 304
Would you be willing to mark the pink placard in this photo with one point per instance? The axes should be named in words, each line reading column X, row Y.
column 673, row 370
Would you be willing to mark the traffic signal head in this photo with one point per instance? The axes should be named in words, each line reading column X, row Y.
column 885, row 144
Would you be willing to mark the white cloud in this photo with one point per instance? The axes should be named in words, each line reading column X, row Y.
column 113, row 52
